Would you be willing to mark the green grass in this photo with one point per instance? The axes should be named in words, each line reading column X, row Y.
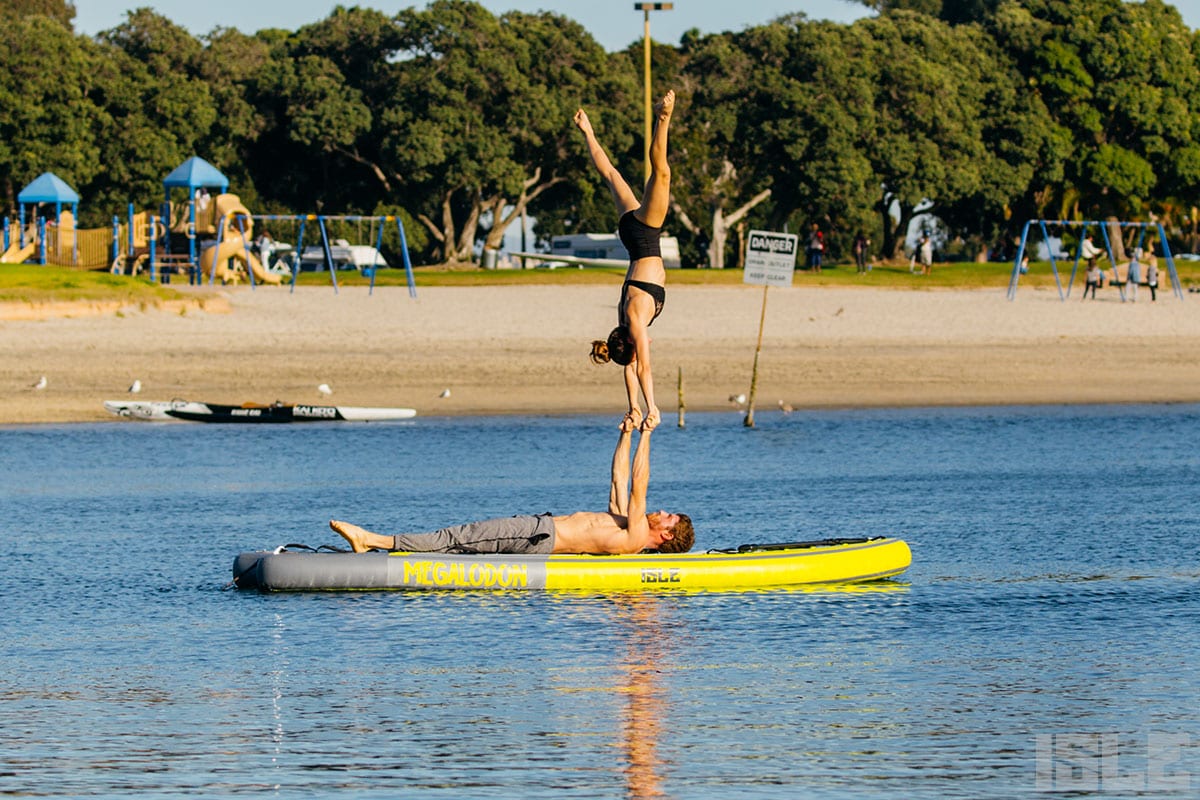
column 36, row 284
column 32, row 283
column 958, row 275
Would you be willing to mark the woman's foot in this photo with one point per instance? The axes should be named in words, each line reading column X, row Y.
column 583, row 123
column 634, row 417
column 662, row 109
column 653, row 417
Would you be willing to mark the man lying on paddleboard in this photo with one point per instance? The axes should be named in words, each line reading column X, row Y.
column 624, row 528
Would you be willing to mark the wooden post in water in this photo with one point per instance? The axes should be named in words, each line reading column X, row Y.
column 682, row 405
column 749, row 420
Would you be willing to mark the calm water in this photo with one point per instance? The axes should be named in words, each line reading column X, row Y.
column 1044, row 639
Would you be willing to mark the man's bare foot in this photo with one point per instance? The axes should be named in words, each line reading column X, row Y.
column 666, row 106
column 356, row 536
column 583, row 123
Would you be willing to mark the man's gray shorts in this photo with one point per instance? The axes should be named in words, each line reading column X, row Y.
column 519, row 534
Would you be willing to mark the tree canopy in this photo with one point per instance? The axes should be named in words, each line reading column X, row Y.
column 974, row 115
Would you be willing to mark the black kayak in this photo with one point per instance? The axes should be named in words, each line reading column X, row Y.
column 280, row 412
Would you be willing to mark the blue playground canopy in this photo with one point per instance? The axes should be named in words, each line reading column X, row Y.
column 48, row 188
column 194, row 174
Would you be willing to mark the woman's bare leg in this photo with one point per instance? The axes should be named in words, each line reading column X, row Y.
column 623, row 196
column 656, row 200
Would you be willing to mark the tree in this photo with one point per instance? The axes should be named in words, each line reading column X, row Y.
column 155, row 112
column 230, row 66
column 706, row 182
column 1119, row 80
column 48, row 118
column 60, row 10
column 318, row 98
column 940, row 100
column 481, row 119
column 955, row 12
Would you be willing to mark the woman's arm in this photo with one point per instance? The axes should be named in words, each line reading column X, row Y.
column 641, row 364
column 631, row 390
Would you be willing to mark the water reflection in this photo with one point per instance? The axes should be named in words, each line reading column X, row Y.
column 646, row 708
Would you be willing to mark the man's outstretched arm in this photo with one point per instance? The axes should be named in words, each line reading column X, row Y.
column 637, row 525
column 618, row 496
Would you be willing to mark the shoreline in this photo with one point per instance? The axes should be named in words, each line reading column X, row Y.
column 523, row 350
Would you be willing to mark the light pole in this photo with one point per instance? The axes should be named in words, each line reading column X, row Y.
column 646, row 8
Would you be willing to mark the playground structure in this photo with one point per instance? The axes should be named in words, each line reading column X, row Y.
column 330, row 257
column 235, row 229
column 218, row 231
column 52, row 239
column 1117, row 227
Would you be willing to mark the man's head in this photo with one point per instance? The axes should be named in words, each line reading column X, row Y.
column 670, row 533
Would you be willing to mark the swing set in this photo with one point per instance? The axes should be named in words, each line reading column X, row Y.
column 378, row 224
column 1042, row 224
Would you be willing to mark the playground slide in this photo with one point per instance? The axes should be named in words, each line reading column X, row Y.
column 260, row 272
column 234, row 249
column 17, row 254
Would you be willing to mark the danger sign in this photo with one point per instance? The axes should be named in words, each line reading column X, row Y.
column 770, row 258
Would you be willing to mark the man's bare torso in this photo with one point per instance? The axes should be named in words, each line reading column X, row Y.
column 593, row 532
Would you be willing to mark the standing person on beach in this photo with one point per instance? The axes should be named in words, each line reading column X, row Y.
column 816, row 247
column 926, row 255
column 861, row 245
column 644, row 291
column 1152, row 273
column 1133, row 274
column 1093, row 278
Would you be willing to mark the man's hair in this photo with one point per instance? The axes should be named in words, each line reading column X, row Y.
column 683, row 536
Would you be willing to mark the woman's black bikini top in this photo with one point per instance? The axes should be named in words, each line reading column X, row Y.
column 659, row 294
column 639, row 238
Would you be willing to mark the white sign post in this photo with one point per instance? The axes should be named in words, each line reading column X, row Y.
column 770, row 261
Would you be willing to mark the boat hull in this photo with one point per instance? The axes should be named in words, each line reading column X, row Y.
column 278, row 413
column 854, row 561
column 151, row 410
column 166, row 411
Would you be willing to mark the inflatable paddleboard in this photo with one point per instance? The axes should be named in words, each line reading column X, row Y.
column 251, row 412
column 747, row 567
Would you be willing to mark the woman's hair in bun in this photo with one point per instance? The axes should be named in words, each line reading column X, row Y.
column 619, row 348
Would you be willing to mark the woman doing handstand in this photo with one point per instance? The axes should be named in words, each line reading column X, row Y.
column 643, row 293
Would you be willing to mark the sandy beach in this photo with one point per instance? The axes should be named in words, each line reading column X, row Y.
column 502, row 350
